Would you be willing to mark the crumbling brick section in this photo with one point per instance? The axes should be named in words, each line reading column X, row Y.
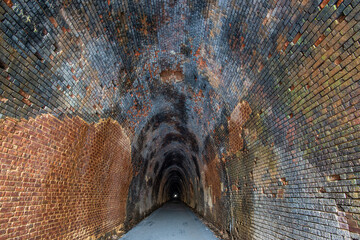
column 62, row 179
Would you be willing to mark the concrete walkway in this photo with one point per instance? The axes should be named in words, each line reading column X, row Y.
column 173, row 221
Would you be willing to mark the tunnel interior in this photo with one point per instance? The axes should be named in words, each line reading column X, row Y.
column 247, row 111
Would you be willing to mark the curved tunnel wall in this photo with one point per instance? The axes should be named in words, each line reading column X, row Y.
column 249, row 109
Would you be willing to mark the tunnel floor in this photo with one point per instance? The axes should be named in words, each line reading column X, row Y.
column 172, row 221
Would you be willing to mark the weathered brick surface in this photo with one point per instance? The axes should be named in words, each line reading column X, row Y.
column 62, row 179
column 296, row 177
column 250, row 108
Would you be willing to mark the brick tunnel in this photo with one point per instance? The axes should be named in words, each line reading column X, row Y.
column 247, row 110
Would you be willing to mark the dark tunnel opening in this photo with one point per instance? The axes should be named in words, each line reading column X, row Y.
column 174, row 187
column 167, row 158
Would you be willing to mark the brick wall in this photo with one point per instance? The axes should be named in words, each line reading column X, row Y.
column 62, row 179
column 262, row 95
column 295, row 176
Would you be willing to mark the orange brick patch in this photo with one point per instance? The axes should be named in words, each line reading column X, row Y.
column 62, row 179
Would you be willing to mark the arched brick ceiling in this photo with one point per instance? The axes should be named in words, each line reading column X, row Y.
column 132, row 59
column 217, row 100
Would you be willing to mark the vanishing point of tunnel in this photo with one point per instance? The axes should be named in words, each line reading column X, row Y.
column 240, row 115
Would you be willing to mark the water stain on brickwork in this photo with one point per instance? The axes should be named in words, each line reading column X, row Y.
column 242, row 195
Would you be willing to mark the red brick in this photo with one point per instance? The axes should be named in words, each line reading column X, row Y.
column 324, row 3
